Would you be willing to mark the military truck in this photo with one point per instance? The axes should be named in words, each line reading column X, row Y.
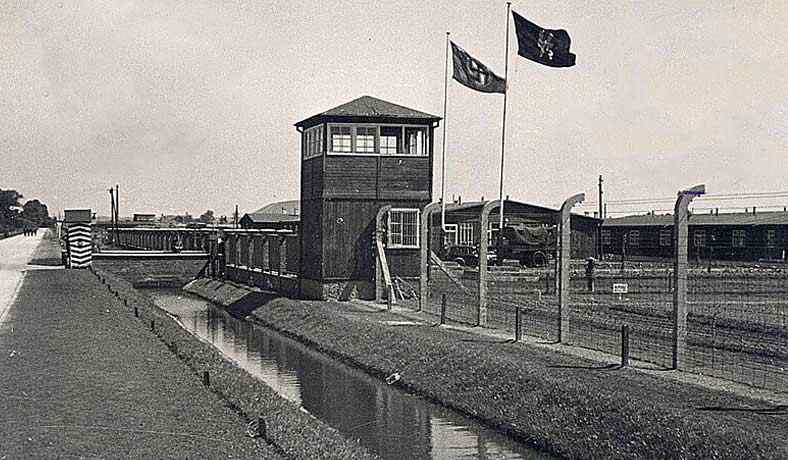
column 532, row 246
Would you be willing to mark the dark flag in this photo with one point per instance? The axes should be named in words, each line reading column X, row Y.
column 545, row 46
column 472, row 73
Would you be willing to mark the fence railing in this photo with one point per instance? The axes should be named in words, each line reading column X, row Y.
column 270, row 251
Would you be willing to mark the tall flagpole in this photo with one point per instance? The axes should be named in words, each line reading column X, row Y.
column 503, row 125
column 443, row 150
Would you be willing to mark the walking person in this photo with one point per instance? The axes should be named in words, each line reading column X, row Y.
column 590, row 262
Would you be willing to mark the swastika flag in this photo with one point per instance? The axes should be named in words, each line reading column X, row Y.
column 545, row 46
column 472, row 73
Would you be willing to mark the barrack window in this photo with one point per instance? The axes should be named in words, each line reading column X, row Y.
column 666, row 237
column 738, row 239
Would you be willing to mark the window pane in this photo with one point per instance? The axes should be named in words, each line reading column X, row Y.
column 390, row 137
column 341, row 139
column 415, row 141
column 404, row 228
column 365, row 139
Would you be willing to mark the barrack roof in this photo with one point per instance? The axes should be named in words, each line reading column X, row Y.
column 739, row 218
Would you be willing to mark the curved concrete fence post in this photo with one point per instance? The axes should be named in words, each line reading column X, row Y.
column 380, row 230
column 484, row 218
column 680, row 243
column 564, row 259
column 424, row 250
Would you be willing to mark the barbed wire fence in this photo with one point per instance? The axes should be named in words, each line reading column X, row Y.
column 735, row 326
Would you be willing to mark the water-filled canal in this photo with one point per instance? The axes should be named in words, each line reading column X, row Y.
column 388, row 421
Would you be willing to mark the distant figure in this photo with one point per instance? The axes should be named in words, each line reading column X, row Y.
column 590, row 262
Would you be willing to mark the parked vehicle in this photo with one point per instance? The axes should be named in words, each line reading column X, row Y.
column 531, row 246
column 468, row 255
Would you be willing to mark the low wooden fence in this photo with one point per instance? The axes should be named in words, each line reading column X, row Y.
column 269, row 259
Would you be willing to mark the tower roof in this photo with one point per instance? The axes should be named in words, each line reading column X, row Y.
column 370, row 107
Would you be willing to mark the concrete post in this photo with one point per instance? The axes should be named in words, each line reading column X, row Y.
column 250, row 257
column 380, row 230
column 565, row 257
column 237, row 255
column 481, row 314
column 424, row 249
column 680, row 242
column 282, row 261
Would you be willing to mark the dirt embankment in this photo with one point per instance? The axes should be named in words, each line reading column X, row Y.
column 564, row 405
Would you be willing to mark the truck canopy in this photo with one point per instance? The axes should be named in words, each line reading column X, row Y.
column 529, row 236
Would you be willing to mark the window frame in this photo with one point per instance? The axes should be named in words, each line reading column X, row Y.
column 699, row 236
column 738, row 238
column 401, row 143
column 606, row 236
column 463, row 228
column 665, row 237
column 375, row 139
column 313, row 142
column 454, row 232
column 390, row 233
column 633, row 238
column 352, row 135
column 771, row 238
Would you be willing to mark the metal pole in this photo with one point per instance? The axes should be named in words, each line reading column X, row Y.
column 443, row 150
column 503, row 125
column 117, row 212
column 624, row 345
column 443, row 309
column 601, row 216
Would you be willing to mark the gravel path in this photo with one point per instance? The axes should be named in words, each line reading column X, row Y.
column 79, row 377
column 14, row 254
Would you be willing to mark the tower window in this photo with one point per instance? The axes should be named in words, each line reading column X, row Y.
column 341, row 139
column 390, row 137
column 415, row 141
column 403, row 228
column 365, row 139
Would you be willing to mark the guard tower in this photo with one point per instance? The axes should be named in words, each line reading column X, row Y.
column 355, row 159
column 79, row 237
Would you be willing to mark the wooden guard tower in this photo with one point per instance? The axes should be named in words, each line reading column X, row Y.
column 355, row 159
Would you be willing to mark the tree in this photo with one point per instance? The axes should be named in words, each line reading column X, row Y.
column 9, row 207
column 184, row 219
column 207, row 217
column 36, row 212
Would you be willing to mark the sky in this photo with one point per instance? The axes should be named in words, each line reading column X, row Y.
column 190, row 105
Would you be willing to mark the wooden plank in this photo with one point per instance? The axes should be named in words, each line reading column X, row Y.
column 436, row 260
column 385, row 267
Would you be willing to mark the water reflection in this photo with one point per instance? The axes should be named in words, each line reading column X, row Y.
column 389, row 422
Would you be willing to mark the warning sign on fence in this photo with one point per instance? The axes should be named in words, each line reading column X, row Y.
column 620, row 288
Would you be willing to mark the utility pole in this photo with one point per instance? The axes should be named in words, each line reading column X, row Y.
column 600, row 248
column 117, row 212
column 601, row 215
column 235, row 217
column 112, row 213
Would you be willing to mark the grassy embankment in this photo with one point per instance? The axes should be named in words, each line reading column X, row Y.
column 79, row 377
column 294, row 433
column 564, row 405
